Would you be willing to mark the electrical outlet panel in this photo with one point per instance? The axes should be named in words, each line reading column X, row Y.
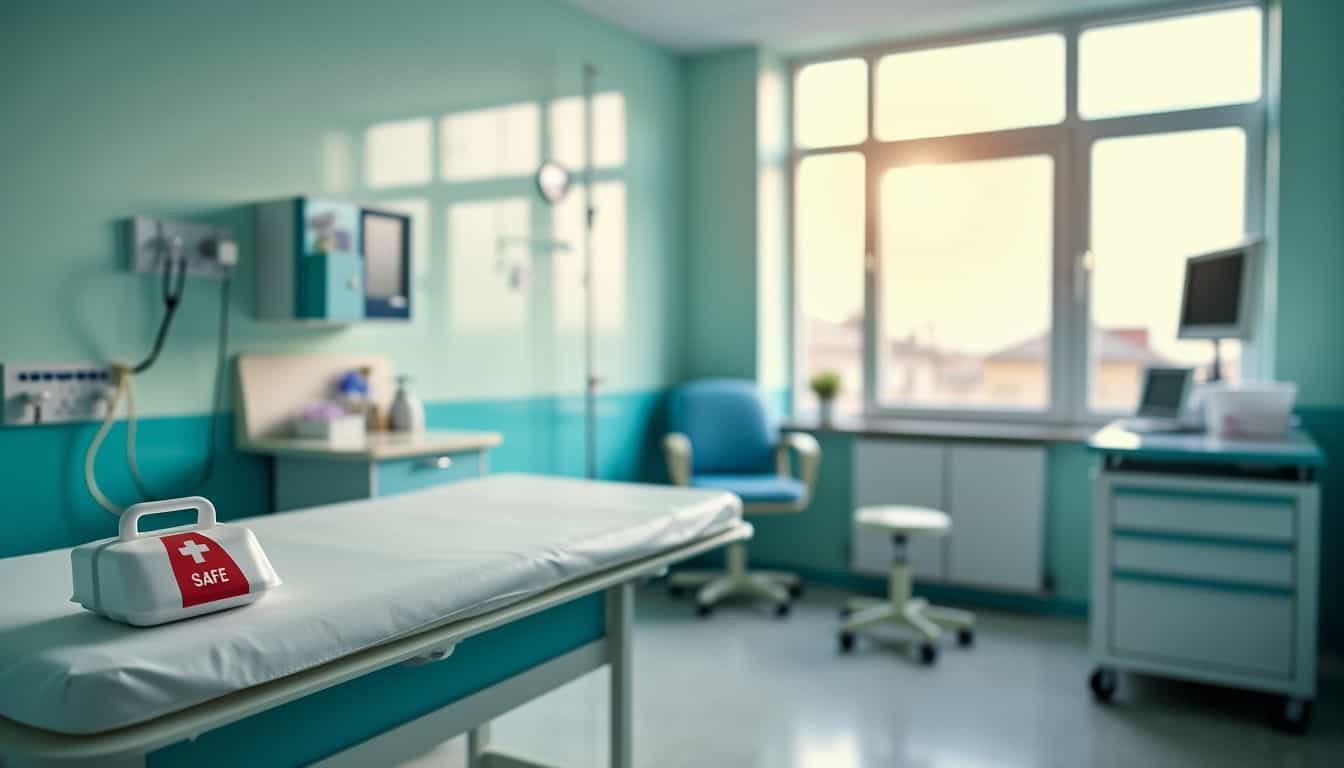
column 54, row 393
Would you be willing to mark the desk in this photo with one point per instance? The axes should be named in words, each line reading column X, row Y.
column 1205, row 562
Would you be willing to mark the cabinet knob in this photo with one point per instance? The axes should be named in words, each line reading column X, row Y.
column 437, row 462
column 352, row 283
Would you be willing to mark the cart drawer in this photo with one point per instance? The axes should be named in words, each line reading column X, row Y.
column 1268, row 518
column 1261, row 565
column 1219, row 627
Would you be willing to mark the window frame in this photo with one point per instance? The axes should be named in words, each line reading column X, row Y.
column 1069, row 143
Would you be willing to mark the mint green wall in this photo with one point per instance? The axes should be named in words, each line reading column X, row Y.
column 720, row 301
column 1311, row 202
column 1309, row 347
column 161, row 107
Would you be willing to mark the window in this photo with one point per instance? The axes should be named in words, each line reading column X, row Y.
column 960, row 242
column 832, row 104
column 1186, row 62
column 1023, row 261
column 971, row 88
column 1198, row 206
column 828, row 247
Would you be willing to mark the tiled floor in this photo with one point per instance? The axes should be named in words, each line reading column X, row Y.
column 744, row 689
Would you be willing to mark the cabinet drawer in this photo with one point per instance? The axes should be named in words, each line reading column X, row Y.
column 402, row 475
column 1267, row 518
column 1227, row 629
column 1270, row 566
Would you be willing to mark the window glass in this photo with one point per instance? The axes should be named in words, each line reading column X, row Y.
column 1169, row 64
column 1156, row 200
column 831, row 104
column 965, row 284
column 971, row 88
column 829, row 244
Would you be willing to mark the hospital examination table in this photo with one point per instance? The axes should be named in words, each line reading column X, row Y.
column 402, row 622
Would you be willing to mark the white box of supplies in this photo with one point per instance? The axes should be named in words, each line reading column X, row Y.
column 152, row 578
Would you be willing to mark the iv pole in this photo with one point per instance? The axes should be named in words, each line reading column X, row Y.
column 590, row 377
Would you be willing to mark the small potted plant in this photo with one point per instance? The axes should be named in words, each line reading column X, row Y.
column 826, row 385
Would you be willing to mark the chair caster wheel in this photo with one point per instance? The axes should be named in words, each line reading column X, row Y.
column 676, row 590
column 796, row 591
column 704, row 611
column 781, row 610
column 928, row 653
column 965, row 637
column 1293, row 715
column 1103, row 683
column 846, row 642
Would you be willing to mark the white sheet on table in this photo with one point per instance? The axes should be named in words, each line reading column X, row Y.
column 355, row 575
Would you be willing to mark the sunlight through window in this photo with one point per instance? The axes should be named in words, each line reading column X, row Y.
column 397, row 154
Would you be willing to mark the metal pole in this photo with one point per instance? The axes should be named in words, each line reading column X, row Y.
column 589, row 373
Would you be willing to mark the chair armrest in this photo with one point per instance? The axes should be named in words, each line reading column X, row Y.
column 677, row 451
column 809, row 457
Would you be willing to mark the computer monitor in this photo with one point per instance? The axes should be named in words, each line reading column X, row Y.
column 1165, row 391
column 1216, row 298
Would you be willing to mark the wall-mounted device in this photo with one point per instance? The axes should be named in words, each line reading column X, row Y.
column 201, row 250
column 54, row 393
column 331, row 261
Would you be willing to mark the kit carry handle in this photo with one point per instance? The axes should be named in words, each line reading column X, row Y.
column 130, row 519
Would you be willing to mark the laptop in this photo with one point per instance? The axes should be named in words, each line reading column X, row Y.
column 1165, row 392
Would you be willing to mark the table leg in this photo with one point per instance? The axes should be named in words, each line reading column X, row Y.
column 620, row 621
column 478, row 741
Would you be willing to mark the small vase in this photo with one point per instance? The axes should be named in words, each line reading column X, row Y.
column 825, row 411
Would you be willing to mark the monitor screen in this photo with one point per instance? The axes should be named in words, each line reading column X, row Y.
column 1164, row 392
column 1213, row 290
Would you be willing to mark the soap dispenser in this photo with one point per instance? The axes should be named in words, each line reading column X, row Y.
column 408, row 413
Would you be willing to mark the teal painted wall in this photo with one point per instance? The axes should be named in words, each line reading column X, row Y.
column 1310, row 315
column 1311, row 202
column 164, row 108
column 50, row 507
column 720, row 301
column 159, row 107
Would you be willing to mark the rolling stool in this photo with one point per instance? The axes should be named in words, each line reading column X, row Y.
column 861, row 612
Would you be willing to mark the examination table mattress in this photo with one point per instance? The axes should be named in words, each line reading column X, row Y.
column 355, row 575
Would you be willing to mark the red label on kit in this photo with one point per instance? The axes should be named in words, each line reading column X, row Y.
column 204, row 571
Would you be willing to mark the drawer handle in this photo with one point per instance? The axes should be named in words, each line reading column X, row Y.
column 437, row 462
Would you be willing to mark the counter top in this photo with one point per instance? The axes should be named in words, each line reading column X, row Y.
column 989, row 431
column 1294, row 449
column 378, row 446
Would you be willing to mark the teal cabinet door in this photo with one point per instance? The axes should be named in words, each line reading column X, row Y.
column 402, row 475
column 330, row 287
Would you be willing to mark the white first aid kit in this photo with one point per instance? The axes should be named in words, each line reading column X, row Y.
column 152, row 578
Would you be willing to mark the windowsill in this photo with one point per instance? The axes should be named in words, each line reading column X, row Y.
column 948, row 429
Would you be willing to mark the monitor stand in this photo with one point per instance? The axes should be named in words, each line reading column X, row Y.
column 1216, row 372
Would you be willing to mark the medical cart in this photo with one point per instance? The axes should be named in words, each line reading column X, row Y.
column 1205, row 563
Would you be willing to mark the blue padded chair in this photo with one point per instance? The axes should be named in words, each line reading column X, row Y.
column 722, row 438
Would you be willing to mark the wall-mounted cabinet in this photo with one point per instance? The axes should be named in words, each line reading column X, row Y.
column 994, row 494
column 331, row 261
